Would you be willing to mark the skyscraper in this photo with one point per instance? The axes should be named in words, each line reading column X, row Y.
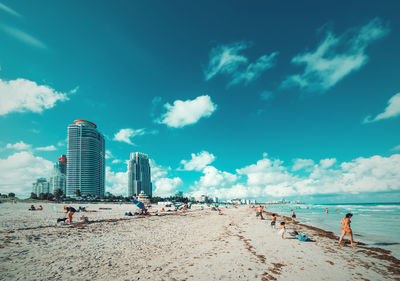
column 86, row 159
column 59, row 175
column 139, row 175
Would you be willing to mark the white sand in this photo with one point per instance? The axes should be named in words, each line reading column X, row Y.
column 194, row 245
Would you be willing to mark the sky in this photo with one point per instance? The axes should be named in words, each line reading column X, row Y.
column 234, row 99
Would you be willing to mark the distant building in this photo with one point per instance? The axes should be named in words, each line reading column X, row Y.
column 58, row 179
column 139, row 175
column 40, row 186
column 86, row 160
column 202, row 198
column 215, row 199
column 142, row 197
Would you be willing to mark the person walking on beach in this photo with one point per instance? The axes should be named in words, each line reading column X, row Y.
column 326, row 210
column 293, row 215
column 70, row 212
column 259, row 212
column 273, row 220
column 346, row 229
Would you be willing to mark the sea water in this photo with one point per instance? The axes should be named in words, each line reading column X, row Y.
column 376, row 225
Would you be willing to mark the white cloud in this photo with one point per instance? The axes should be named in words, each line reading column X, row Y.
column 300, row 164
column 20, row 170
column 22, row 95
column 392, row 110
column 163, row 185
column 9, row 10
column 116, row 161
column 166, row 186
column 183, row 113
column 126, row 135
column 47, row 148
column 116, row 182
column 336, row 57
column 108, row 154
column 225, row 59
column 23, row 36
column 198, row 162
column 18, row 146
column 270, row 178
column 327, row 163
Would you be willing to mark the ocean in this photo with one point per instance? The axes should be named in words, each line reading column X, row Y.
column 376, row 225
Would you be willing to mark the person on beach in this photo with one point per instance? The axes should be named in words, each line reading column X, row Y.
column 32, row 208
column 283, row 230
column 273, row 222
column 70, row 212
column 259, row 212
column 326, row 210
column 293, row 215
column 346, row 229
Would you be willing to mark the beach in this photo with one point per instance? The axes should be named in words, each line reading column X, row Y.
column 186, row 245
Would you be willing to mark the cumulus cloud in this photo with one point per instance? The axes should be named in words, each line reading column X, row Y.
column 116, row 182
column 392, row 110
column 198, row 162
column 299, row 164
column 270, row 178
column 22, row 95
column 18, row 146
column 183, row 113
column 47, row 148
column 164, row 184
column 20, row 170
column 225, row 59
column 336, row 57
column 126, row 135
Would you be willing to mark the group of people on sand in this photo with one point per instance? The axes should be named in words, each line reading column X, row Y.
column 345, row 224
column 33, row 208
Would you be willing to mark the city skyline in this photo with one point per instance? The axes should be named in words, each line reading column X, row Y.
column 227, row 104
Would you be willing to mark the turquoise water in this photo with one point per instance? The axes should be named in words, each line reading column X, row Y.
column 376, row 225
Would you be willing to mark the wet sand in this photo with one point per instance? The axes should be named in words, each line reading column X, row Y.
column 193, row 245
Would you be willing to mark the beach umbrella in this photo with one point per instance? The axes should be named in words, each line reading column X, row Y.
column 138, row 204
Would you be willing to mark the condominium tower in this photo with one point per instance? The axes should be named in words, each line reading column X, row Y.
column 139, row 175
column 59, row 175
column 86, row 160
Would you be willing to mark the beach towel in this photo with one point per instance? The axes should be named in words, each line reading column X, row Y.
column 302, row 237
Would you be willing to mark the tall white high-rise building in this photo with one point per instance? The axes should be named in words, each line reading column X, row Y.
column 86, row 160
column 139, row 175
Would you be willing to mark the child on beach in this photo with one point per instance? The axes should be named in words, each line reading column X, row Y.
column 273, row 222
column 283, row 230
column 293, row 215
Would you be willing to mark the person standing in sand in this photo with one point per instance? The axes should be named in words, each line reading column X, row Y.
column 283, row 230
column 346, row 229
column 259, row 212
column 273, row 220
column 293, row 215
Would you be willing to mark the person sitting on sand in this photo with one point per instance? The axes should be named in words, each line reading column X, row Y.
column 32, row 208
column 40, row 208
column 282, row 231
column 70, row 212
column 162, row 210
column 346, row 229
column 273, row 220
column 293, row 214
column 259, row 212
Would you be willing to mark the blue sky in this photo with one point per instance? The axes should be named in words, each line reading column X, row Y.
column 253, row 99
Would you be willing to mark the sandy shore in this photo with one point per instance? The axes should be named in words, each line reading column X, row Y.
column 193, row 245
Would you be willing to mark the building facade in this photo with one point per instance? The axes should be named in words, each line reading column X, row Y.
column 139, row 174
column 40, row 186
column 58, row 179
column 86, row 160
